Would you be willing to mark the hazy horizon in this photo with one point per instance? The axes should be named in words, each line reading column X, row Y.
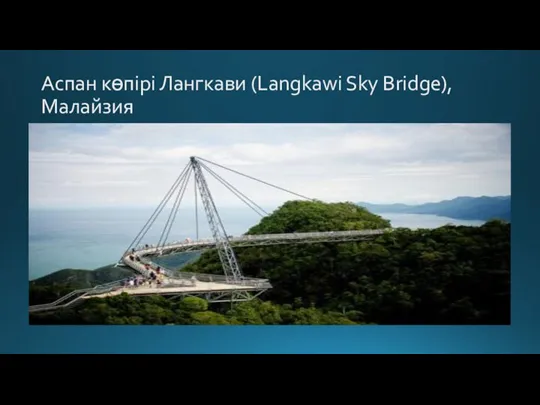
column 239, row 206
column 133, row 165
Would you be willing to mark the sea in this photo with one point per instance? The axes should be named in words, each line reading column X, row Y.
column 93, row 238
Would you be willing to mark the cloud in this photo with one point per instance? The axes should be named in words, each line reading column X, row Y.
column 135, row 164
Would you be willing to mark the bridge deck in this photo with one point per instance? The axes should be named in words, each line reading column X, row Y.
column 175, row 289
column 215, row 288
column 206, row 282
column 213, row 291
column 259, row 240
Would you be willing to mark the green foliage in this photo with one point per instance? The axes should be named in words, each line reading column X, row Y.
column 156, row 310
column 309, row 216
column 193, row 304
column 77, row 278
column 42, row 294
column 55, row 285
column 449, row 275
column 403, row 277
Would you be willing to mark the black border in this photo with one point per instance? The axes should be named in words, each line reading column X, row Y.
column 277, row 27
column 430, row 363
column 296, row 379
column 204, row 378
column 360, row 36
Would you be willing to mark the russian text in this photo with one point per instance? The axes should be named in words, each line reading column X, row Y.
column 95, row 107
column 68, row 85
column 172, row 84
column 294, row 86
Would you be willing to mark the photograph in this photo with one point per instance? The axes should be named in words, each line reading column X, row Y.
column 269, row 224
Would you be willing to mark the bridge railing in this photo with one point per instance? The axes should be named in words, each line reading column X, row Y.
column 217, row 278
column 145, row 252
column 76, row 294
column 191, row 278
column 310, row 235
column 154, row 249
column 105, row 288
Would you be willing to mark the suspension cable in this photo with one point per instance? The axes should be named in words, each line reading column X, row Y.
column 235, row 191
column 175, row 205
column 158, row 210
column 178, row 205
column 260, row 181
column 231, row 189
column 174, row 210
column 171, row 192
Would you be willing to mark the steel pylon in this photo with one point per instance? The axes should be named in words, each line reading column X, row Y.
column 226, row 253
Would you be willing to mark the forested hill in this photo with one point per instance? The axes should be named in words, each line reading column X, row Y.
column 55, row 285
column 466, row 208
column 79, row 278
column 449, row 275
column 317, row 216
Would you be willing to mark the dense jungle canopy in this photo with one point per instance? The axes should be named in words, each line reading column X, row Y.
column 448, row 275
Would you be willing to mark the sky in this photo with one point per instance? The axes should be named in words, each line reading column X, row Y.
column 129, row 165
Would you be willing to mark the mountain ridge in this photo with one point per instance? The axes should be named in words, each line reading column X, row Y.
column 463, row 208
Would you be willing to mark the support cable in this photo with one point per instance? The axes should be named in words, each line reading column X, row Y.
column 260, row 181
column 158, row 210
column 184, row 188
column 164, row 202
column 179, row 191
column 236, row 192
column 174, row 210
